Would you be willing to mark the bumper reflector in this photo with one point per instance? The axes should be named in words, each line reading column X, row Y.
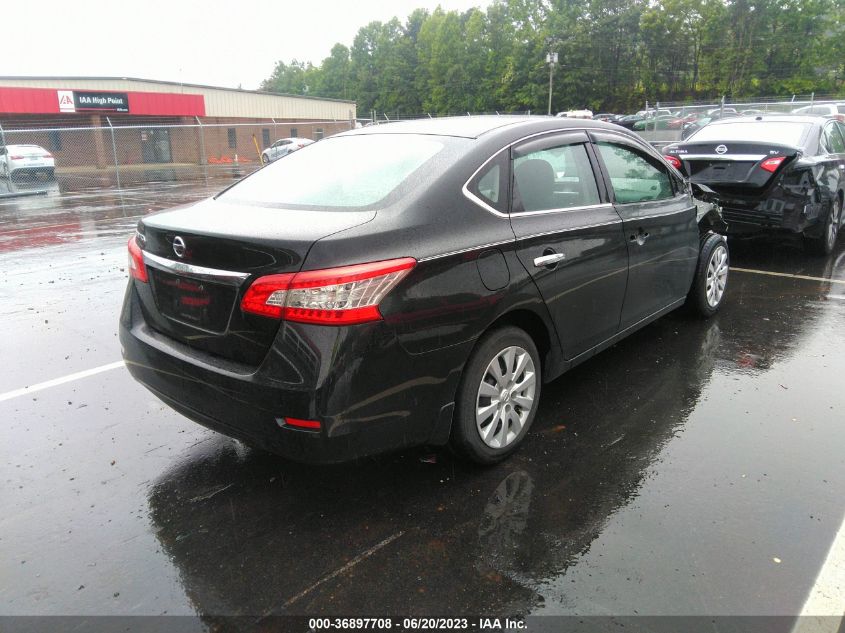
column 313, row 425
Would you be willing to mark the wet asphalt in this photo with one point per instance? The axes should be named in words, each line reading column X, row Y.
column 696, row 468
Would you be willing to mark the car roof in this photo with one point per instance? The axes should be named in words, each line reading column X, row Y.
column 476, row 126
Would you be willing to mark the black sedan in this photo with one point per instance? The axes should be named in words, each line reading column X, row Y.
column 775, row 172
column 414, row 283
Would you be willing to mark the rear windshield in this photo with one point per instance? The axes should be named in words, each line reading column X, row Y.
column 347, row 171
column 781, row 132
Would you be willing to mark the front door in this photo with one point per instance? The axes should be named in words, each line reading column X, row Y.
column 155, row 145
column 659, row 219
column 569, row 238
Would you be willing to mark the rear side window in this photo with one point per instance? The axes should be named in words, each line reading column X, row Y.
column 554, row 178
column 634, row 176
column 351, row 171
column 490, row 185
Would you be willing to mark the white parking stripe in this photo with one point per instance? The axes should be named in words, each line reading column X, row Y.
column 59, row 381
column 824, row 611
column 790, row 275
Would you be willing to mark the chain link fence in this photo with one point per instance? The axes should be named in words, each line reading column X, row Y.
column 120, row 155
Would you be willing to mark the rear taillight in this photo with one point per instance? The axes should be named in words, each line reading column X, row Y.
column 771, row 164
column 47, row 155
column 17, row 157
column 335, row 296
column 674, row 161
column 137, row 269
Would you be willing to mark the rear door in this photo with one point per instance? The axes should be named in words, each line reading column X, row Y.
column 569, row 237
column 659, row 219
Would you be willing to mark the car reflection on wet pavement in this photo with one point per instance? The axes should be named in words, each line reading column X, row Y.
column 694, row 468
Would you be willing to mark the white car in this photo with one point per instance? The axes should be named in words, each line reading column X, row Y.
column 576, row 114
column 26, row 158
column 283, row 147
column 823, row 109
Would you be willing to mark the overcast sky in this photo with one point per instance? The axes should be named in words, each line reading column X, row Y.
column 214, row 42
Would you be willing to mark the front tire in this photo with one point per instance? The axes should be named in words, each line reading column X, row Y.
column 498, row 396
column 824, row 243
column 711, row 276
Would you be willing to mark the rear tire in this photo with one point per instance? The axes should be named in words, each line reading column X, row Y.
column 711, row 276
column 497, row 397
column 823, row 244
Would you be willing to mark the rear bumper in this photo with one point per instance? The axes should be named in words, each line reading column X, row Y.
column 777, row 211
column 369, row 394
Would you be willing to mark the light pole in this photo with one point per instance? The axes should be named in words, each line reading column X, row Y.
column 551, row 60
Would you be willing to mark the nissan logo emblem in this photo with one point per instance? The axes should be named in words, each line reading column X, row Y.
column 721, row 149
column 179, row 246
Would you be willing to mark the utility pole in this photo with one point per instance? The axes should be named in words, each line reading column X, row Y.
column 551, row 59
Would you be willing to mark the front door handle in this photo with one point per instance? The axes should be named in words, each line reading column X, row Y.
column 551, row 259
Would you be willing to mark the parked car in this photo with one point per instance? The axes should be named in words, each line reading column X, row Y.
column 411, row 284
column 774, row 172
column 629, row 120
column 722, row 112
column 283, row 147
column 660, row 122
column 20, row 159
column 606, row 116
column 576, row 114
column 823, row 109
column 687, row 129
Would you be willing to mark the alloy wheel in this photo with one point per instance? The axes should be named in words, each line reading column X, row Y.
column 717, row 275
column 833, row 224
column 505, row 397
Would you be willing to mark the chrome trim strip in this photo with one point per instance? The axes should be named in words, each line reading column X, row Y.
column 724, row 157
column 197, row 272
column 478, row 201
column 602, row 205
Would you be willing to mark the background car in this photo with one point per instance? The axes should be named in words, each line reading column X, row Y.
column 659, row 122
column 823, row 109
column 397, row 286
column 19, row 159
column 606, row 116
column 774, row 172
column 576, row 114
column 283, row 147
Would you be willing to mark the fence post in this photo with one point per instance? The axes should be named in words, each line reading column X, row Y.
column 203, row 155
column 722, row 107
column 114, row 152
column 2, row 137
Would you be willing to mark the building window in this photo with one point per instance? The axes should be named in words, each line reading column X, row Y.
column 233, row 138
column 55, row 141
column 318, row 134
column 294, row 132
column 265, row 137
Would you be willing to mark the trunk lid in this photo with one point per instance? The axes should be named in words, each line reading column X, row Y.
column 732, row 165
column 202, row 257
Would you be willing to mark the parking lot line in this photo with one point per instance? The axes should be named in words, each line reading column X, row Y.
column 824, row 611
column 59, row 381
column 362, row 556
column 790, row 275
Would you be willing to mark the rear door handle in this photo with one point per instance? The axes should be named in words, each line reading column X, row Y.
column 548, row 260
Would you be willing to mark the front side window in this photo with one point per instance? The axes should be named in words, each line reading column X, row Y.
column 635, row 177
column 341, row 172
column 554, row 178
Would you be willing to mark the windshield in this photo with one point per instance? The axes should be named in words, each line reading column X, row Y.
column 781, row 132
column 347, row 171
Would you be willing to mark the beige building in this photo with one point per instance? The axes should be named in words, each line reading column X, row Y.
column 157, row 121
